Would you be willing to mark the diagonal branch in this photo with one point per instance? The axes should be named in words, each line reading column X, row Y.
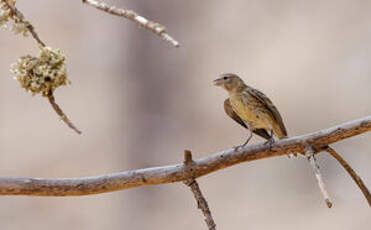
column 195, row 188
column 60, row 112
column 154, row 27
column 178, row 173
column 352, row 173
column 19, row 18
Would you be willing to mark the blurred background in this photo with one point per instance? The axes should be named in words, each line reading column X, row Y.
column 140, row 102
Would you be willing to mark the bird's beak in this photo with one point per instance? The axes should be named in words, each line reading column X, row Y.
column 218, row 82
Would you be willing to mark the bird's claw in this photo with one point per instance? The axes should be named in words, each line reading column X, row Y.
column 269, row 142
column 235, row 148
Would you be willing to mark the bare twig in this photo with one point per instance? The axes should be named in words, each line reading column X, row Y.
column 154, row 27
column 195, row 188
column 352, row 173
column 201, row 203
column 60, row 112
column 188, row 158
column 178, row 173
column 313, row 162
column 21, row 19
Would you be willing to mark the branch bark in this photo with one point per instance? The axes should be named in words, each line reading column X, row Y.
column 178, row 173
column 154, row 27
column 352, row 173
column 60, row 112
column 21, row 19
column 195, row 188
column 313, row 162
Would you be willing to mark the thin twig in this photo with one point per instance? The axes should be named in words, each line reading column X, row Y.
column 60, row 112
column 195, row 188
column 313, row 162
column 352, row 173
column 21, row 19
column 155, row 27
column 178, row 173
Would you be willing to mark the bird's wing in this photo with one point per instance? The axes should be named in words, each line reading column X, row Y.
column 269, row 105
column 232, row 114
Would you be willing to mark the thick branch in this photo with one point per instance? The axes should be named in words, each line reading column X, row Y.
column 154, row 27
column 177, row 173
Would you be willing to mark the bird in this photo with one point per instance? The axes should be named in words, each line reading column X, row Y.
column 251, row 108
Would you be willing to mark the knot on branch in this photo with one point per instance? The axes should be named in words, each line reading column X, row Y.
column 188, row 162
column 195, row 188
column 188, row 158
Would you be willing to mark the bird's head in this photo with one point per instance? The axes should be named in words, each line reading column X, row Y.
column 229, row 81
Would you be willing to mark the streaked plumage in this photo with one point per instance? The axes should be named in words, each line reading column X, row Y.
column 231, row 113
column 251, row 108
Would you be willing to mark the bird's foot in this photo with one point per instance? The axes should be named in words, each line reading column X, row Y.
column 235, row 148
column 269, row 142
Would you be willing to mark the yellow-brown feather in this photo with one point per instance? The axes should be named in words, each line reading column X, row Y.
column 254, row 108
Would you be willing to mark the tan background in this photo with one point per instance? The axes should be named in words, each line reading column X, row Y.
column 140, row 102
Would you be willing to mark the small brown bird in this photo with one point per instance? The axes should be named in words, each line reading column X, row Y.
column 251, row 108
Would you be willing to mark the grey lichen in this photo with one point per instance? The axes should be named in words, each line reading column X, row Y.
column 41, row 74
column 9, row 16
column 5, row 13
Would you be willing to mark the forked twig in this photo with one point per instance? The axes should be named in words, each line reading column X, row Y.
column 154, row 27
column 195, row 188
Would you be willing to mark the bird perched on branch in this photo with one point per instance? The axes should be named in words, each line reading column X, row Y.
column 251, row 108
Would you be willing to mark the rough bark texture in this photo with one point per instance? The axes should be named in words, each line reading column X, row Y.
column 195, row 188
column 178, row 172
column 154, row 27
column 201, row 203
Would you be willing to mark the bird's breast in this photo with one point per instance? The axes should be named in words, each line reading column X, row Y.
column 250, row 110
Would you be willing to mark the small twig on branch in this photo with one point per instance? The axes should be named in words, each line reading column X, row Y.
column 19, row 18
column 178, row 173
column 188, row 158
column 313, row 162
column 60, row 112
column 154, row 27
column 352, row 173
column 195, row 188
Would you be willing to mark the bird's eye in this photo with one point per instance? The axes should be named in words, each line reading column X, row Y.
column 225, row 78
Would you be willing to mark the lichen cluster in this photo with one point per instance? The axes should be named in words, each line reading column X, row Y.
column 9, row 16
column 5, row 13
column 41, row 74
